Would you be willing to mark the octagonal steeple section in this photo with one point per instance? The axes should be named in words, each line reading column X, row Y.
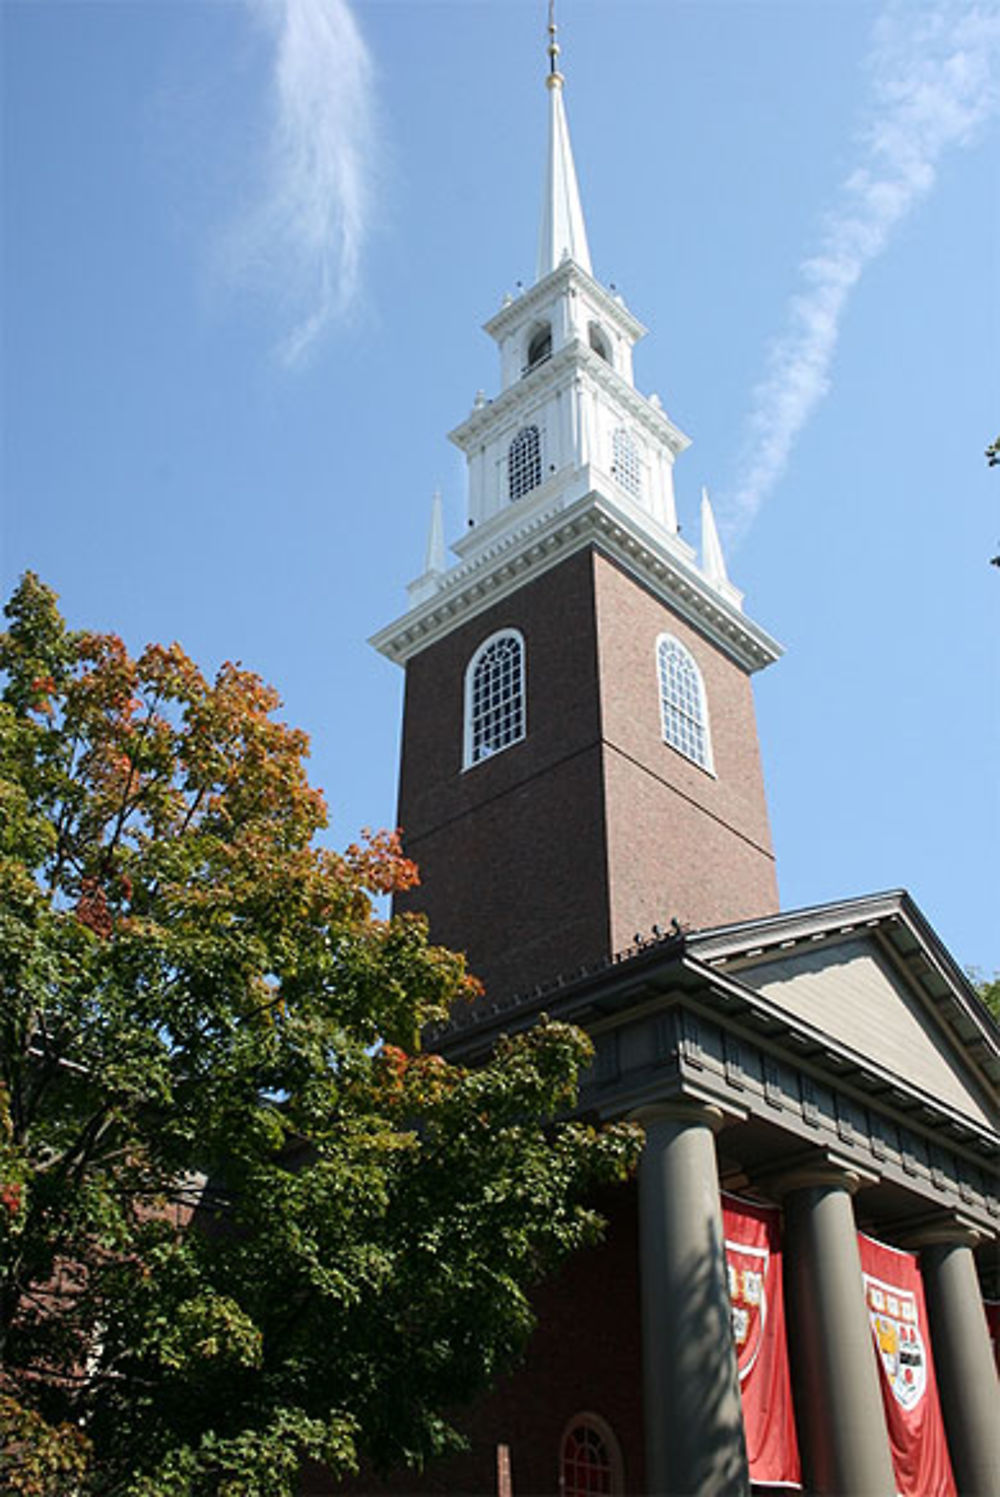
column 568, row 419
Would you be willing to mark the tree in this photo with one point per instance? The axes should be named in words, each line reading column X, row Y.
column 989, row 991
column 243, row 1220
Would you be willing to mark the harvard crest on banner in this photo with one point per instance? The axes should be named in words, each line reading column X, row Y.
column 899, row 1338
column 753, row 1263
column 894, row 1296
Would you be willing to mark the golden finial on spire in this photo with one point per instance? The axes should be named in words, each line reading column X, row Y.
column 555, row 78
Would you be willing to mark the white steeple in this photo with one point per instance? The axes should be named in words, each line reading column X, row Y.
column 562, row 233
column 568, row 453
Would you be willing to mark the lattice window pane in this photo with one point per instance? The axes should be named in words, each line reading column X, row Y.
column 625, row 454
column 524, row 462
column 496, row 705
column 682, row 702
column 586, row 1464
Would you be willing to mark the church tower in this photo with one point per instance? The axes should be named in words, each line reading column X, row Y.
column 579, row 750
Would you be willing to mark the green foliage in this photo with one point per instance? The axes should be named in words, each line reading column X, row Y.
column 37, row 1459
column 989, row 991
column 243, row 1221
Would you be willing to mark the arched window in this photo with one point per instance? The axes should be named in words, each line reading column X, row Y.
column 539, row 346
column 494, row 697
column 524, row 462
column 590, row 1459
column 682, row 702
column 625, row 460
column 599, row 342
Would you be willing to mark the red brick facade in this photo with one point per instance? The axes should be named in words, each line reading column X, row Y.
column 585, row 1357
column 556, row 851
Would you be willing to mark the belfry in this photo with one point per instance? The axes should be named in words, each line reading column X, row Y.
column 792, row 1293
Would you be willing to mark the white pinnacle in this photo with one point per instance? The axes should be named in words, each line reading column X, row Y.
column 435, row 561
column 713, row 563
column 562, row 233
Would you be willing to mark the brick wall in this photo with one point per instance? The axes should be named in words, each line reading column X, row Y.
column 511, row 851
column 680, row 841
column 557, row 850
column 585, row 1357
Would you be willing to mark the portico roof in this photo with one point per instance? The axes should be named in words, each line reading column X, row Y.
column 844, row 1026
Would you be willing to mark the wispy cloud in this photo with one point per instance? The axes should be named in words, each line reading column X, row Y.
column 935, row 81
column 303, row 239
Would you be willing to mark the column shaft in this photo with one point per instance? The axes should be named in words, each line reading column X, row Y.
column 694, row 1423
column 838, row 1400
column 963, row 1361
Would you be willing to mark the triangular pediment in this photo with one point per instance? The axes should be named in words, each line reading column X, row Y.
column 871, row 975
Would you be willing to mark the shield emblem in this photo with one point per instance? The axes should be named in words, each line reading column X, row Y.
column 747, row 1271
column 898, row 1339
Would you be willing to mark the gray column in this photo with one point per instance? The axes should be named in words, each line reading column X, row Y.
column 963, row 1359
column 838, row 1400
column 693, row 1418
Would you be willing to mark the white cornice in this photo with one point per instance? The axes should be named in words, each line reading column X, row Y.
column 538, row 382
column 656, row 421
column 557, row 373
column 539, row 295
column 548, row 537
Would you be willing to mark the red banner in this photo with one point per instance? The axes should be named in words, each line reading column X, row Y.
column 992, row 1308
column 753, row 1259
column 894, row 1294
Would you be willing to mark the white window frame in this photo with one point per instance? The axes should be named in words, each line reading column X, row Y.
column 602, row 1429
column 626, row 459
column 670, row 737
column 537, row 331
column 469, row 761
column 598, row 340
column 525, row 429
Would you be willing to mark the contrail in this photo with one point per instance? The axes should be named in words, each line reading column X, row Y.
column 934, row 73
column 307, row 233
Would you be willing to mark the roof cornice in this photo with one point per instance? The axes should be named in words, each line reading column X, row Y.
column 576, row 358
column 548, row 537
column 908, row 938
column 565, row 276
column 686, row 969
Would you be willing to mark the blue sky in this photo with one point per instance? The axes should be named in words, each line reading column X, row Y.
column 247, row 253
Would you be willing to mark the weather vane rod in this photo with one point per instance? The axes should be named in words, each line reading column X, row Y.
column 555, row 77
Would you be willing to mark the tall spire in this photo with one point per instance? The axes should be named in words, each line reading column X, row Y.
column 562, row 232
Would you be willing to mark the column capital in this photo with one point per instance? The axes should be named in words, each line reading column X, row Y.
column 945, row 1229
column 817, row 1168
column 680, row 1110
